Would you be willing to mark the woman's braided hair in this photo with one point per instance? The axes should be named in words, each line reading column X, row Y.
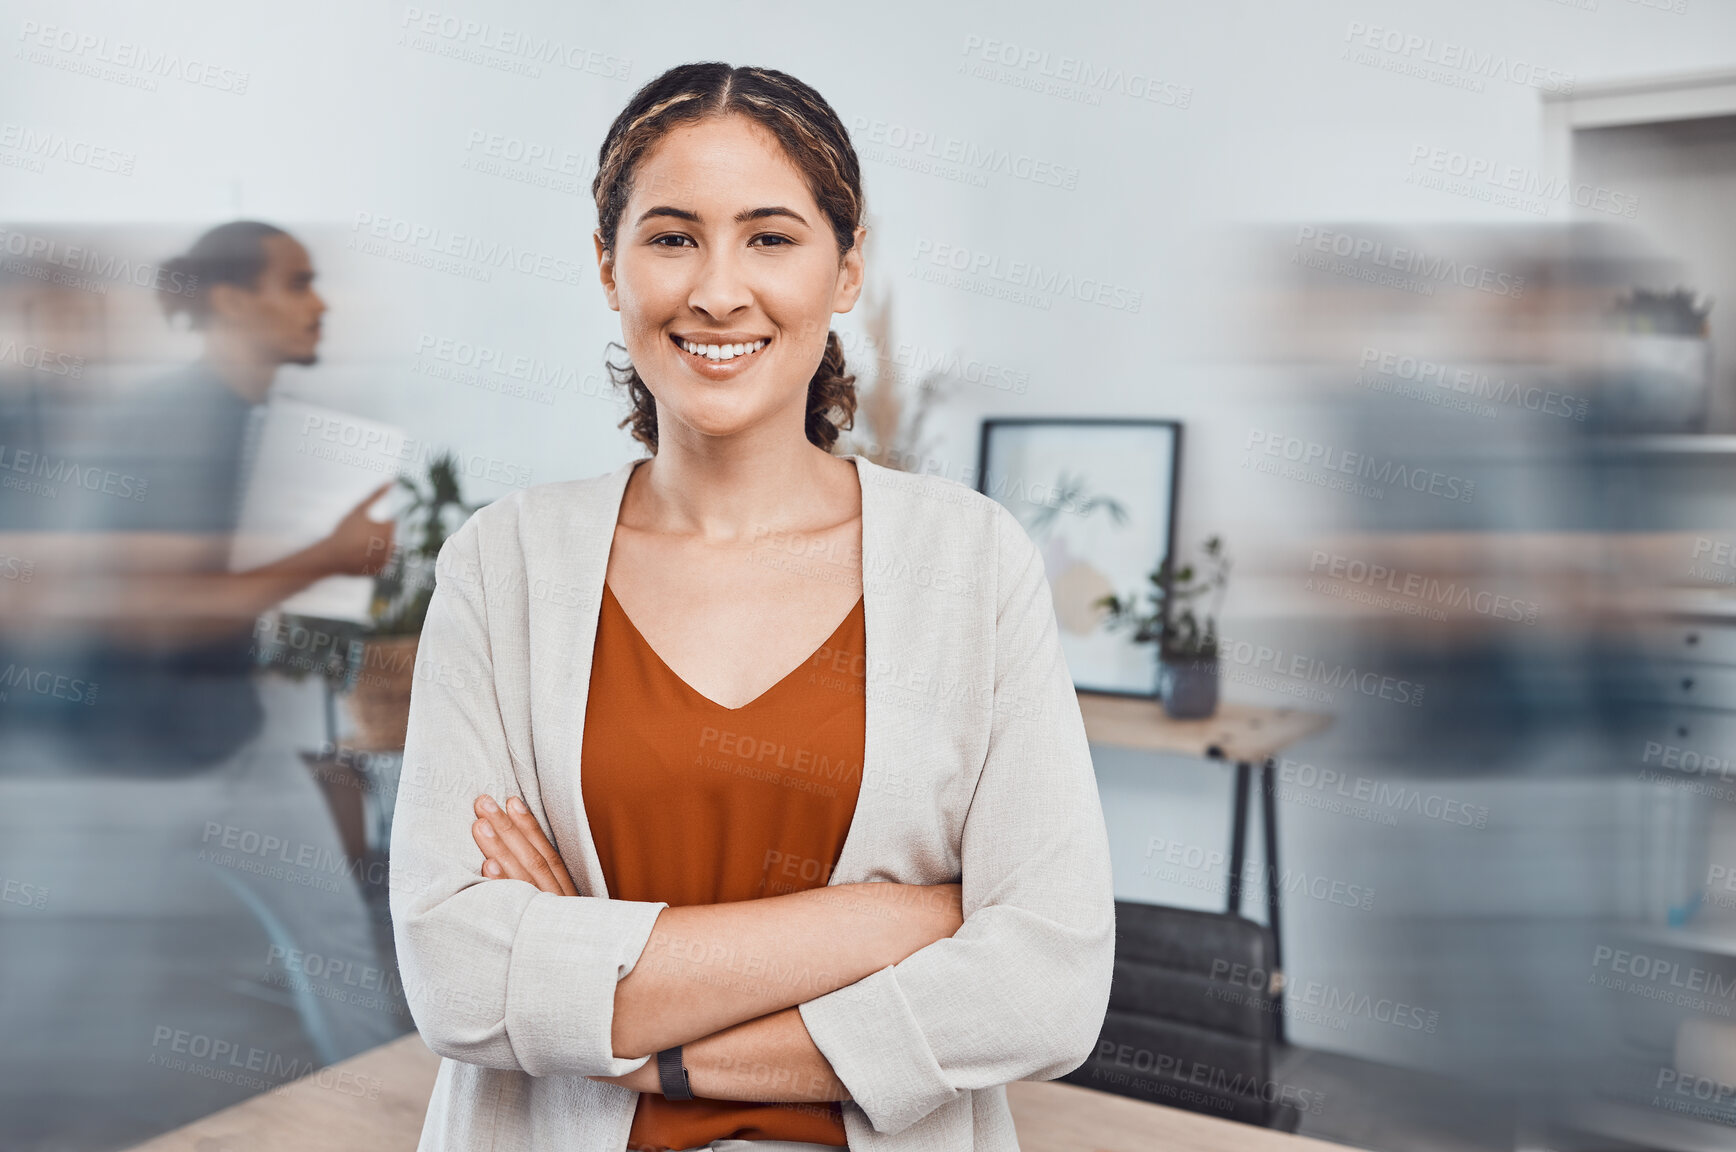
column 814, row 139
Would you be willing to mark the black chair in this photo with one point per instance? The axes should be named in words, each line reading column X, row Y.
column 1190, row 1019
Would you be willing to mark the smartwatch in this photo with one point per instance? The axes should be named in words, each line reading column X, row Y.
column 673, row 1074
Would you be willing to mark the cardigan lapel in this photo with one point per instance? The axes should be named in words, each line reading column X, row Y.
column 884, row 618
column 583, row 550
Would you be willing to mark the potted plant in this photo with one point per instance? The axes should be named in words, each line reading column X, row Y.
column 379, row 699
column 1187, row 640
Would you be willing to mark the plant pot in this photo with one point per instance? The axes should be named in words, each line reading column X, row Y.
column 379, row 704
column 1189, row 686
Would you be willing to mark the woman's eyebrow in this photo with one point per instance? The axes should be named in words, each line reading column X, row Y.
column 741, row 217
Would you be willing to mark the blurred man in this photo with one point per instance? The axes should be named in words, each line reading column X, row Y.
column 190, row 859
column 146, row 609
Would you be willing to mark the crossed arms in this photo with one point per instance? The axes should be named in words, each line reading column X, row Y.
column 742, row 1038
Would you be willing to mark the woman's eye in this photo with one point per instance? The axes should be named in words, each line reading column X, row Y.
column 776, row 240
column 679, row 240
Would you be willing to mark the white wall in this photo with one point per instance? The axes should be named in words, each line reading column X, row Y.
column 341, row 116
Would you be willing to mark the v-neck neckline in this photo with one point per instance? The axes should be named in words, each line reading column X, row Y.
column 676, row 676
column 862, row 482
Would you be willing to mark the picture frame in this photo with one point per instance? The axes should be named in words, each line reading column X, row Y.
column 1098, row 496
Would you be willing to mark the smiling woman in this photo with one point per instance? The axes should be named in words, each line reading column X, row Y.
column 720, row 134
column 764, row 853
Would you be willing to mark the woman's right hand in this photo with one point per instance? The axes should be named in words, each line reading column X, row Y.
column 514, row 847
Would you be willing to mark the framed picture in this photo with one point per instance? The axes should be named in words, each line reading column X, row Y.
column 1098, row 497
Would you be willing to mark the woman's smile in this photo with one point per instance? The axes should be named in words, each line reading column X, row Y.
column 721, row 356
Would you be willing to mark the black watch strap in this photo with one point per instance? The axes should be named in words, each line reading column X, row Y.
column 673, row 1074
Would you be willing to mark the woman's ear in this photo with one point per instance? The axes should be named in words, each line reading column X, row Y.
column 852, row 274
column 606, row 270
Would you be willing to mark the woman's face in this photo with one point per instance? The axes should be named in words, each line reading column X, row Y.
column 722, row 244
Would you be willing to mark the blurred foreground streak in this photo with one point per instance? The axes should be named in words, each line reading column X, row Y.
column 1508, row 560
column 173, row 879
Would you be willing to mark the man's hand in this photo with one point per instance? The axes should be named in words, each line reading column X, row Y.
column 514, row 847
column 359, row 546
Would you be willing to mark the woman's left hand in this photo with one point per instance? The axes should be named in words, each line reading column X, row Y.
column 514, row 847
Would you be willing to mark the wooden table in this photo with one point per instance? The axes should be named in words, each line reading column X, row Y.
column 1247, row 736
column 322, row 1114
column 1238, row 732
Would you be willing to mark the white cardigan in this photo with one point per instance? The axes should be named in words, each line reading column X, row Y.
column 976, row 770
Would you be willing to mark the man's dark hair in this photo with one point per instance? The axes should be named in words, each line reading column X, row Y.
column 232, row 253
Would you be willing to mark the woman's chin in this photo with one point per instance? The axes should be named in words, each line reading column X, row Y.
column 719, row 421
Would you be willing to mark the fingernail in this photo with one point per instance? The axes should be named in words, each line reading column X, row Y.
column 488, row 831
column 488, row 804
column 516, row 805
column 491, row 868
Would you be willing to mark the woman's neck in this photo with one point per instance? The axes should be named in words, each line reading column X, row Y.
column 736, row 497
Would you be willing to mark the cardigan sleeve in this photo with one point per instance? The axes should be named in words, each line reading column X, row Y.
column 1020, row 991
column 496, row 973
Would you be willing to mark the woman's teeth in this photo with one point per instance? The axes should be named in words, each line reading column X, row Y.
column 722, row 351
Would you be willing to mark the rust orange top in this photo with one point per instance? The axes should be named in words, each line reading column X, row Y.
column 690, row 802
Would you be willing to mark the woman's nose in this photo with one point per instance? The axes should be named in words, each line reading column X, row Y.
column 720, row 286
